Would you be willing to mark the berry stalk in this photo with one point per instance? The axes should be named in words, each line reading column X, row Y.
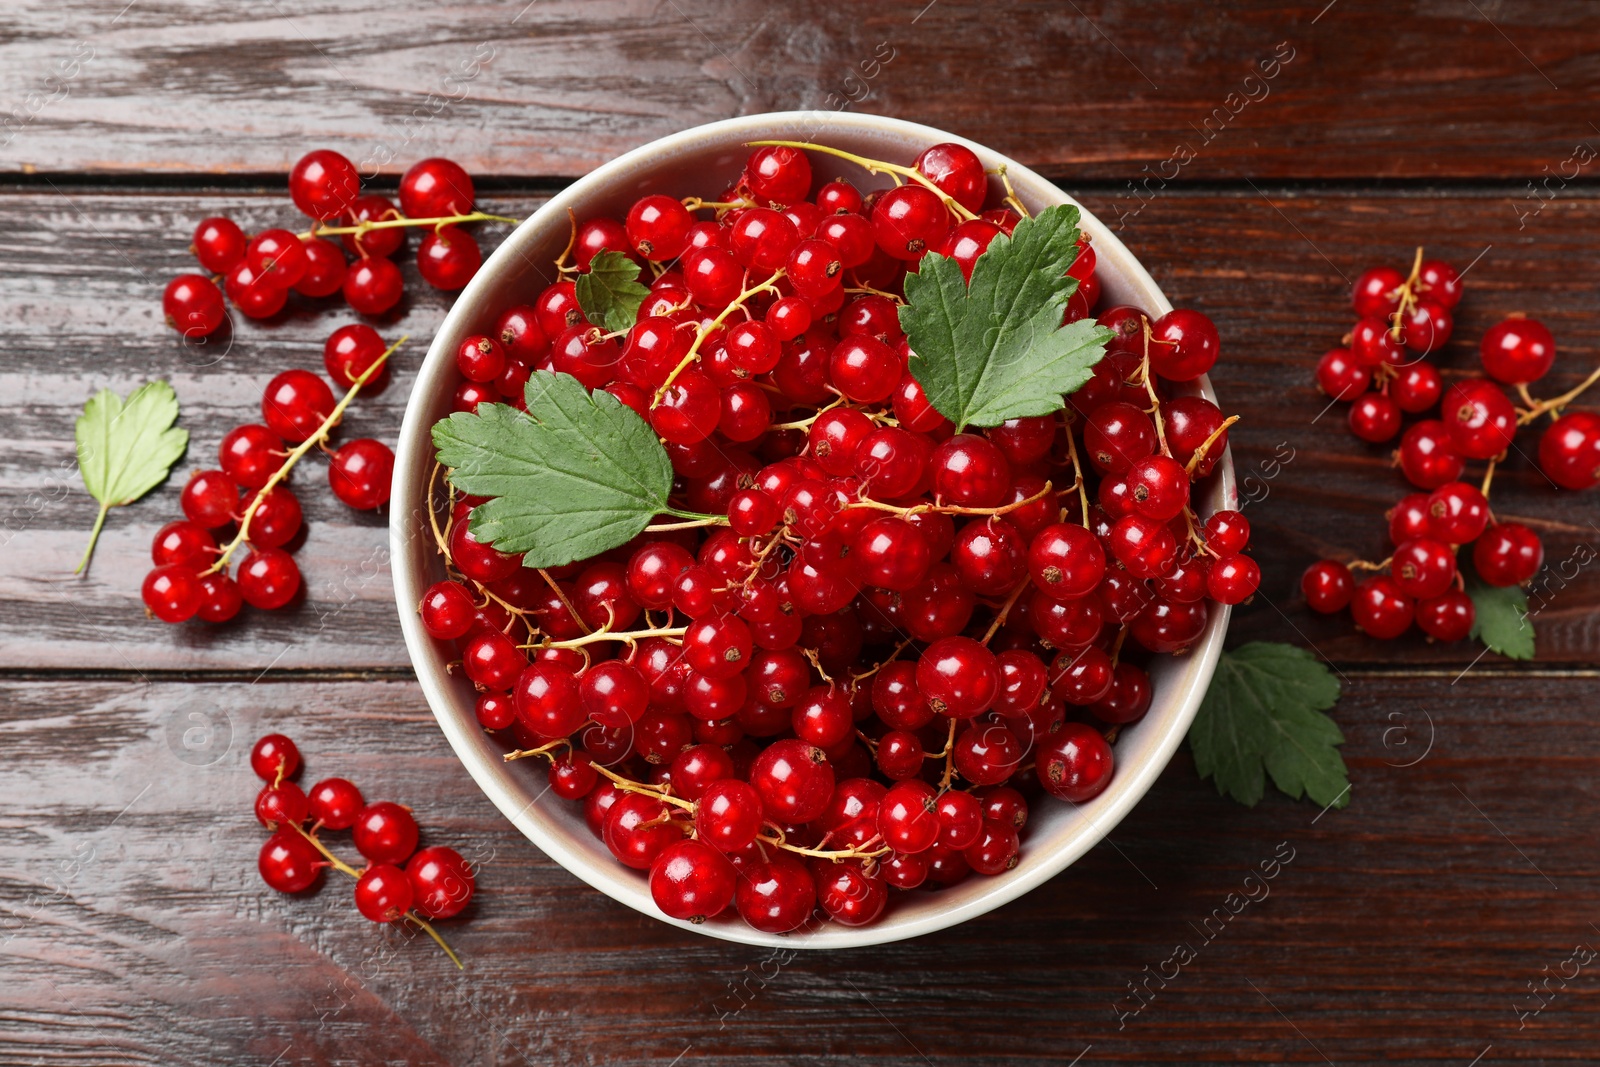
column 874, row 166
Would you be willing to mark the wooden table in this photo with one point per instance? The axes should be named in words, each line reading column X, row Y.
column 1407, row 928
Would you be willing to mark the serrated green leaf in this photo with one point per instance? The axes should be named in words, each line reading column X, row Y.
column 126, row 449
column 609, row 295
column 1263, row 715
column 996, row 350
column 1500, row 617
column 576, row 475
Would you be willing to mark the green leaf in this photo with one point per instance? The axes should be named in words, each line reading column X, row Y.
column 1263, row 715
column 126, row 449
column 1500, row 616
column 574, row 476
column 610, row 294
column 996, row 350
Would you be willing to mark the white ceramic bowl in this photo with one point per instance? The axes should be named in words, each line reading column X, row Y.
column 703, row 161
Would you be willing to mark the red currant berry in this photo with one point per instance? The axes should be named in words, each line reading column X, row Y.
column 794, row 779
column 1117, row 435
column 1427, row 326
column 372, row 285
column 183, row 542
column 1183, row 345
column 778, row 174
column 275, row 517
column 277, row 258
column 688, row 412
column 448, row 258
column 908, row 817
column 1569, row 450
column 1441, row 282
column 441, row 882
column 1074, row 764
column 1409, row 518
column 1066, row 561
column 335, row 803
column 350, row 352
column 1448, row 617
column 1457, row 513
column 1146, row 548
column 890, row 553
column 172, row 593
column 908, row 220
column 360, row 473
column 219, row 599
column 776, row 894
column 959, row 677
column 1127, row 702
column 274, row 758
column 435, row 188
column 691, row 880
column 1377, row 292
column 385, row 833
column 383, row 893
column 987, row 753
column 1427, row 458
column 1423, row 568
column 1340, row 376
column 1517, row 351
column 219, row 244
column 325, row 269
column 958, row 173
column 254, row 295
column 1478, row 418
column 1507, row 554
column 658, row 227
column 728, row 815
column 193, row 305
column 268, row 579
column 323, row 184
column 295, row 404
column 210, row 499
column 1417, row 388
column 1327, row 586
column 1381, row 608
column 1233, row 579
column 970, row 471
column 1374, row 417
column 289, row 863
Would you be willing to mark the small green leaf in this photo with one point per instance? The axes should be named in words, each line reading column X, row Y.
column 126, row 449
column 1500, row 616
column 996, row 350
column 1263, row 715
column 576, row 475
column 610, row 294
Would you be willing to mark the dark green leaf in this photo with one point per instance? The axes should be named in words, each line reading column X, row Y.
column 997, row 350
column 610, row 294
column 1264, row 715
column 1500, row 617
column 126, row 449
column 574, row 476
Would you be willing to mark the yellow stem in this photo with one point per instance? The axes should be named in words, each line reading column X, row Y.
column 1205, row 446
column 949, row 509
column 1556, row 403
column 1005, row 609
column 630, row 636
column 702, row 332
column 396, row 223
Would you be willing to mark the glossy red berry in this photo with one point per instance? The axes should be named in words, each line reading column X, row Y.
column 295, row 404
column 268, row 578
column 1426, row 326
column 970, row 471
column 289, row 863
column 172, row 593
column 1374, row 417
column 335, row 803
column 383, row 893
column 1517, row 351
column 775, row 894
column 360, row 473
column 1327, row 586
column 448, row 257
column 1075, row 763
column 442, row 882
column 1377, row 292
column 795, row 780
column 435, row 188
column 1423, row 568
column 1457, row 513
column 1427, row 458
column 959, row 677
column 1569, row 450
column 729, row 815
column 1066, row 561
column 274, row 757
column 1448, row 617
column 1117, row 435
column 1417, row 388
column 219, row 244
column 385, row 833
column 958, row 173
column 372, row 285
column 1184, row 344
column 693, row 881
column 1507, row 554
column 193, row 305
column 778, row 174
column 1478, row 418
column 1381, row 608
column 1232, row 579
column 908, row 817
column 324, row 184
column 908, row 220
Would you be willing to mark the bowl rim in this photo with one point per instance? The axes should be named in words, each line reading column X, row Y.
column 467, row 738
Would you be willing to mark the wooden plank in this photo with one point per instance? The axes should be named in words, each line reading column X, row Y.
column 82, row 272
column 1404, row 928
column 1111, row 89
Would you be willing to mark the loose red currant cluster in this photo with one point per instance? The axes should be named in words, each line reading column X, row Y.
column 298, row 409
column 1381, row 370
column 436, row 883
column 698, row 689
column 258, row 272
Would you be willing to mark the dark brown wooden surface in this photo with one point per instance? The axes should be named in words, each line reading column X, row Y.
column 1406, row 928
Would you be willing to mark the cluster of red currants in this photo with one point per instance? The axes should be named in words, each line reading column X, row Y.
column 249, row 493
column 258, row 272
column 1382, row 369
column 435, row 882
column 698, row 689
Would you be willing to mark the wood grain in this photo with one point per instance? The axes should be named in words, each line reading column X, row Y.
column 1110, row 89
column 84, row 270
column 1403, row 928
